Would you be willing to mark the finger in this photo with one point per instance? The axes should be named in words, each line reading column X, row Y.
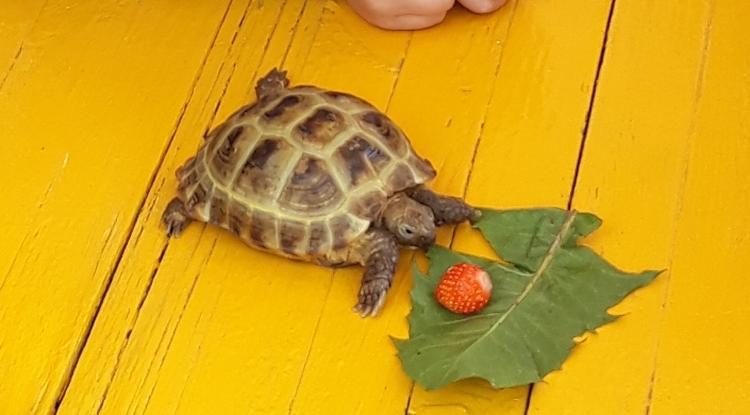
column 409, row 21
column 482, row 6
column 424, row 7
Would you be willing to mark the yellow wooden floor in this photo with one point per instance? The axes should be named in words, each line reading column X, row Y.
column 637, row 110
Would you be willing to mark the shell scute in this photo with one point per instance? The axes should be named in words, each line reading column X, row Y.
column 229, row 152
column 352, row 159
column 400, row 178
column 383, row 128
column 311, row 189
column 260, row 177
column 319, row 240
column 302, row 172
column 369, row 205
column 370, row 151
column 218, row 207
column 283, row 112
column 238, row 218
column 263, row 231
column 199, row 197
column 320, row 128
column 343, row 230
column 292, row 236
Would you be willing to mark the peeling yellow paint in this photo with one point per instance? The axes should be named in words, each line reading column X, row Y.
column 100, row 101
column 77, row 152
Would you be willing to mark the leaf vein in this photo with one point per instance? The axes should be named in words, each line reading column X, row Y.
column 546, row 261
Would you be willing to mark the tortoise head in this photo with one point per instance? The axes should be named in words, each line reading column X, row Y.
column 411, row 222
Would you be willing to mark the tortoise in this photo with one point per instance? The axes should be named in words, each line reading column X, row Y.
column 315, row 175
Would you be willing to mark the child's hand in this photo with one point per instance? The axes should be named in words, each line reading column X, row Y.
column 415, row 14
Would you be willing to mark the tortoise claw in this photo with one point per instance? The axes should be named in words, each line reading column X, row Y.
column 175, row 218
column 174, row 229
column 476, row 214
column 369, row 310
column 371, row 298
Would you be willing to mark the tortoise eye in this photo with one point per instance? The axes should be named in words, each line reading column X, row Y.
column 406, row 231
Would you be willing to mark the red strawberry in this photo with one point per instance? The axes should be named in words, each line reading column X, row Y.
column 464, row 288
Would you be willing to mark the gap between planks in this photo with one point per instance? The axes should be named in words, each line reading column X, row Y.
column 333, row 272
column 584, row 135
column 592, row 101
column 150, row 187
column 131, row 226
column 475, row 151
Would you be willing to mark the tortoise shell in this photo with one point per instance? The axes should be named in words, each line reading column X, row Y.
column 302, row 174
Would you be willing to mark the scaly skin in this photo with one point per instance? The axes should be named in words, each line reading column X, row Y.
column 379, row 249
column 448, row 210
column 175, row 218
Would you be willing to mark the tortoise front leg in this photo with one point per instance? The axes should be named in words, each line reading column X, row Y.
column 379, row 249
column 447, row 209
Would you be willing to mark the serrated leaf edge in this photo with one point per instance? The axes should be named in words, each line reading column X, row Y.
column 546, row 261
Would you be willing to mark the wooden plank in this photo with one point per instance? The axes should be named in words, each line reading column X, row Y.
column 632, row 175
column 528, row 149
column 115, row 345
column 18, row 20
column 701, row 365
column 133, row 278
column 440, row 101
column 220, row 327
column 85, row 114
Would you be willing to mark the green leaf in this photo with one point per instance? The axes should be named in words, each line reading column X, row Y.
column 550, row 291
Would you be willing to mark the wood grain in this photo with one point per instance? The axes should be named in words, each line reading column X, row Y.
column 75, row 159
column 633, row 110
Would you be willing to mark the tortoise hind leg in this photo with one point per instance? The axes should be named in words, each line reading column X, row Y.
column 271, row 85
column 175, row 217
